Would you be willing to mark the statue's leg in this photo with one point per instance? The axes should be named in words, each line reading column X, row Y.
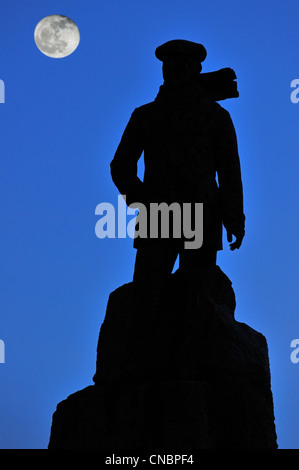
column 153, row 266
column 145, row 355
column 196, row 266
column 196, row 260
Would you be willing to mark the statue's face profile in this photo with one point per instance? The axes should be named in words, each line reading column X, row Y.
column 177, row 71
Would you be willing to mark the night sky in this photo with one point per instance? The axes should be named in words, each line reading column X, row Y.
column 60, row 125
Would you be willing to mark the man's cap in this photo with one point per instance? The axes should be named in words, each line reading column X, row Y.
column 182, row 49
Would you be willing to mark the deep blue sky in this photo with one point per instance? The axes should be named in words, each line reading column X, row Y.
column 60, row 126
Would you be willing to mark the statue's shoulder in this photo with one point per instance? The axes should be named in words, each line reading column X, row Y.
column 146, row 108
column 146, row 113
column 208, row 107
column 219, row 110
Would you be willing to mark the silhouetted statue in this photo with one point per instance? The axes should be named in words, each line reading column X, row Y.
column 174, row 369
column 187, row 138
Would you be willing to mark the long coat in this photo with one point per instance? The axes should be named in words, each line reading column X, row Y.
column 187, row 140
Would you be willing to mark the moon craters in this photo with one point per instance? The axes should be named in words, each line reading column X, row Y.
column 57, row 36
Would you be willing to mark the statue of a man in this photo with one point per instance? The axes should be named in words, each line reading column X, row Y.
column 188, row 139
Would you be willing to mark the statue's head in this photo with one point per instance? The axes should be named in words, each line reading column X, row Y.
column 181, row 60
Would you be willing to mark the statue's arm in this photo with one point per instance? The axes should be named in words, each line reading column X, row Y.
column 124, row 164
column 229, row 177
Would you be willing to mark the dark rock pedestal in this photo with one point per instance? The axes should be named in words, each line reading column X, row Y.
column 180, row 374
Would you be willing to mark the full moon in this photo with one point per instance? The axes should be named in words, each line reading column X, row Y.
column 56, row 36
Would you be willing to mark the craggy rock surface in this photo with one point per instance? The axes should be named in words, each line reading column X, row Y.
column 184, row 376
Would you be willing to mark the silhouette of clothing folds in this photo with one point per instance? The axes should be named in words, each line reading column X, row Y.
column 187, row 140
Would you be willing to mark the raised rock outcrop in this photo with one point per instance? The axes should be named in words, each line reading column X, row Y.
column 186, row 375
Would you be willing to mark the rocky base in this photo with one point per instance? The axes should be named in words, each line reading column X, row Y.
column 184, row 376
